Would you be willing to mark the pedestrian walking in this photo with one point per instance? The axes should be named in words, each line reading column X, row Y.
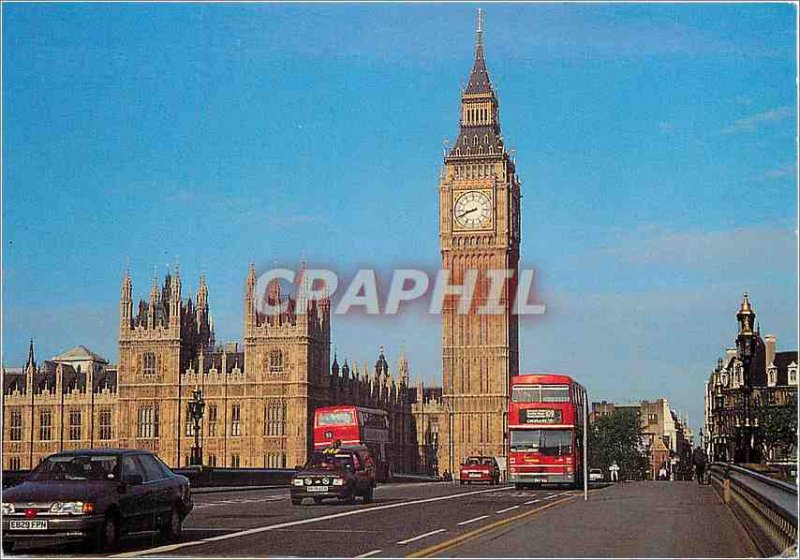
column 614, row 468
column 699, row 460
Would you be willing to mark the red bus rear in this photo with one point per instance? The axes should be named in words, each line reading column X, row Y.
column 355, row 425
column 545, row 430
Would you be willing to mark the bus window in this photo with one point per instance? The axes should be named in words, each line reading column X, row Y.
column 540, row 393
column 552, row 443
column 340, row 418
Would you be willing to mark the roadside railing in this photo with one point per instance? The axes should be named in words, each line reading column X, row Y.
column 767, row 508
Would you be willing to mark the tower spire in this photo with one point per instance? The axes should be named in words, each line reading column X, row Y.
column 31, row 358
column 479, row 35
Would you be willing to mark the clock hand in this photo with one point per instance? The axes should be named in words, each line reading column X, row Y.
column 467, row 212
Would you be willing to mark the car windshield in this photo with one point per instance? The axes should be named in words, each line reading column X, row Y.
column 330, row 461
column 488, row 461
column 472, row 461
column 76, row 467
column 553, row 443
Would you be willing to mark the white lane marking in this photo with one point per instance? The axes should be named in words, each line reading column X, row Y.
column 550, row 497
column 530, row 502
column 256, row 530
column 368, row 554
column 473, row 520
column 507, row 509
column 422, row 536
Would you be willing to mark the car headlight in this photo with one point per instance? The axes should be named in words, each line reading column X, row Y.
column 74, row 508
column 338, row 481
column 297, row 481
column 8, row 508
column 308, row 481
column 326, row 481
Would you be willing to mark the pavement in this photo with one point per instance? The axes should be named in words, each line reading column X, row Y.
column 631, row 520
column 430, row 519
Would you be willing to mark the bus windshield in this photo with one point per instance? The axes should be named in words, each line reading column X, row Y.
column 552, row 443
column 540, row 393
column 338, row 418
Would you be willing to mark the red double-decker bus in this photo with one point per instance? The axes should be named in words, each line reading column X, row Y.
column 355, row 425
column 545, row 430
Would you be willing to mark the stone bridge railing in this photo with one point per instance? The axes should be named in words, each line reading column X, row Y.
column 766, row 507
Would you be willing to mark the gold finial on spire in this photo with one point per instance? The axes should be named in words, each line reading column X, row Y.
column 745, row 304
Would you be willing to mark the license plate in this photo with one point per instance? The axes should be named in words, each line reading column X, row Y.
column 317, row 488
column 28, row 524
column 474, row 475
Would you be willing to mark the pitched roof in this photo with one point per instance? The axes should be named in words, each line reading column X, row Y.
column 80, row 353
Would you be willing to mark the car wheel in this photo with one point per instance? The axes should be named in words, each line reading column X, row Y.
column 368, row 495
column 107, row 536
column 8, row 547
column 173, row 529
column 462, row 482
column 297, row 501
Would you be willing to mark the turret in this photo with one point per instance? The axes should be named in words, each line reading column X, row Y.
column 126, row 302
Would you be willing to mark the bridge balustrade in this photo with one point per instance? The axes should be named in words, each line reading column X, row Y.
column 766, row 507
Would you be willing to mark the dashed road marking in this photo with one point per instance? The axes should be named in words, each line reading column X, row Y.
column 473, row 520
column 256, row 530
column 550, row 497
column 422, row 536
column 531, row 502
column 507, row 509
column 370, row 553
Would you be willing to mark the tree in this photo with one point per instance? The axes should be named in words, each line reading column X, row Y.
column 779, row 428
column 618, row 438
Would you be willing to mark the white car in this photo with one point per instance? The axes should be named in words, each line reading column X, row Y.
column 595, row 475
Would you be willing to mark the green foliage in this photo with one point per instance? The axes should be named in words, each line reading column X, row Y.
column 617, row 437
column 779, row 426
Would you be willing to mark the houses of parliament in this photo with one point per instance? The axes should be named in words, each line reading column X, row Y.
column 260, row 394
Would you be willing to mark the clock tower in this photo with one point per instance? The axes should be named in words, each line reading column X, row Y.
column 479, row 230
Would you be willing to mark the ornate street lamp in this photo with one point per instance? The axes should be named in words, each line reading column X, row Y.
column 745, row 350
column 196, row 408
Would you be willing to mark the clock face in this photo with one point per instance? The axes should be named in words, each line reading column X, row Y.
column 473, row 210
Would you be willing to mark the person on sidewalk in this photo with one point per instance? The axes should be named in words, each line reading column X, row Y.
column 614, row 468
column 699, row 461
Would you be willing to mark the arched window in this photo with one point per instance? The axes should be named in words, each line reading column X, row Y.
column 147, row 426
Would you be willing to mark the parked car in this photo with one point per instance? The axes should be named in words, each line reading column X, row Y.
column 95, row 496
column 479, row 469
column 343, row 473
column 595, row 475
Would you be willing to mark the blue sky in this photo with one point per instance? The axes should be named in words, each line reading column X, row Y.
column 656, row 144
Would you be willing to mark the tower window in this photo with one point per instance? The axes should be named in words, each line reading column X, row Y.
column 105, row 425
column 45, row 424
column 236, row 416
column 149, row 361
column 147, row 422
column 212, row 420
column 275, row 361
column 75, row 425
column 16, row 426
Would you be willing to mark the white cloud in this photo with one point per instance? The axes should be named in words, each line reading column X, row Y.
column 754, row 122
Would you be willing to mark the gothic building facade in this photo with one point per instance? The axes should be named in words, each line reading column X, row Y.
column 738, row 403
column 260, row 397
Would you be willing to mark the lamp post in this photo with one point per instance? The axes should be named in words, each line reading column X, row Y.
column 196, row 408
column 745, row 350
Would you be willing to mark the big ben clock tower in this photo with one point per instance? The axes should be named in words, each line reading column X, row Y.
column 479, row 229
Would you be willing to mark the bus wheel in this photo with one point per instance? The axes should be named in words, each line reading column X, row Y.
column 462, row 482
column 297, row 501
column 519, row 486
